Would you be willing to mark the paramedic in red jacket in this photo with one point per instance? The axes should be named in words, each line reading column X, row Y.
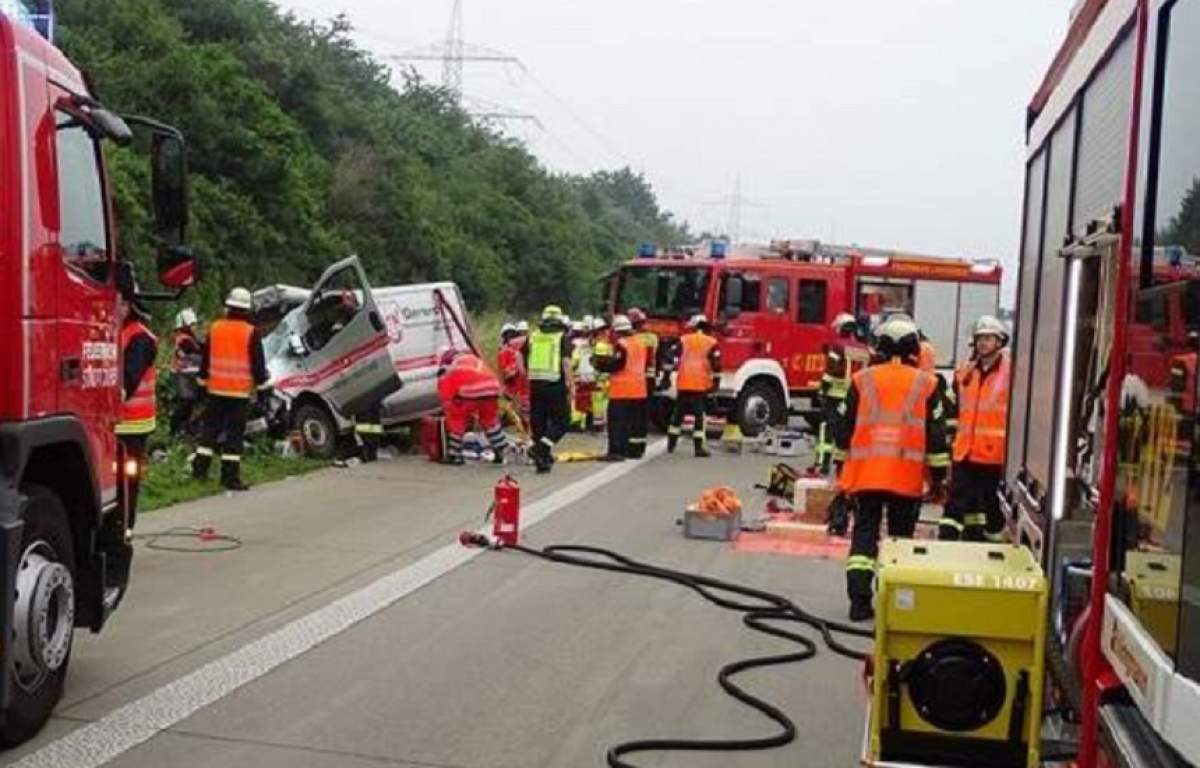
column 469, row 391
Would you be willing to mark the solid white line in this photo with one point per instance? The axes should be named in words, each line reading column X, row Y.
column 97, row 743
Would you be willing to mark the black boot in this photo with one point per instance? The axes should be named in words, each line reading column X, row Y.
column 672, row 441
column 701, row 451
column 231, row 476
column 861, row 610
column 200, row 465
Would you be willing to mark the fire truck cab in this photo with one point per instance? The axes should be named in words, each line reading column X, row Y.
column 773, row 306
column 64, row 543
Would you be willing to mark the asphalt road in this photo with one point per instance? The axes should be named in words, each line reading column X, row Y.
column 350, row 630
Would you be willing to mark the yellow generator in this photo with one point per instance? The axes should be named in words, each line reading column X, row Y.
column 1151, row 580
column 960, row 632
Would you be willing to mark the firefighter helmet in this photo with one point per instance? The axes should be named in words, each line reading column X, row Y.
column 577, row 326
column 621, row 324
column 989, row 325
column 522, row 326
column 508, row 329
column 553, row 312
column 842, row 320
column 697, row 321
column 185, row 318
column 239, row 298
column 637, row 317
column 898, row 337
column 598, row 324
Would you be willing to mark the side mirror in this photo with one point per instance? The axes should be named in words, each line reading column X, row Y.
column 178, row 267
column 296, row 345
column 168, row 163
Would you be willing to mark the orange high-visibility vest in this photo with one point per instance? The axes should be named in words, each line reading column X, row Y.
column 229, row 373
column 983, row 415
column 629, row 383
column 695, row 369
column 138, row 413
column 887, row 451
column 468, row 378
column 927, row 361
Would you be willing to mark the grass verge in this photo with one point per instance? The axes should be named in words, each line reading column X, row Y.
column 170, row 481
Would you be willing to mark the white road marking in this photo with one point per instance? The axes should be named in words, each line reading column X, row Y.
column 103, row 740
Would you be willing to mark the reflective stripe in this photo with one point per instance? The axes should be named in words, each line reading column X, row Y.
column 950, row 522
column 839, row 454
column 202, row 451
column 142, row 427
column 885, row 452
column 369, row 429
column 672, row 430
column 637, row 440
column 975, row 518
column 860, row 563
column 937, row 460
column 231, row 457
column 996, row 537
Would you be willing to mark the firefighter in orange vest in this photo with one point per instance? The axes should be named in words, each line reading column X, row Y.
column 973, row 512
column 232, row 368
column 627, row 391
column 139, row 381
column 469, row 392
column 696, row 377
column 892, row 429
column 185, row 366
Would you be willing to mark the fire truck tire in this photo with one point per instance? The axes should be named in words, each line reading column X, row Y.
column 45, row 610
column 318, row 431
column 759, row 405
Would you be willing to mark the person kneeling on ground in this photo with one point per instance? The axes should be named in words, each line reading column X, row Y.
column 468, row 391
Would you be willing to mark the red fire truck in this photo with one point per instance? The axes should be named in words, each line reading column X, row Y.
column 1103, row 465
column 773, row 307
column 64, row 544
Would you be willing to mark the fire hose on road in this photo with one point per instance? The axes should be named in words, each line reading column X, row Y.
column 761, row 611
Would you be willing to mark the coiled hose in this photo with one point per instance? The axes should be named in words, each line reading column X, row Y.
column 761, row 615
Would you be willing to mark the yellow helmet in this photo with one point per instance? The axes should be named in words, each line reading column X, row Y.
column 552, row 312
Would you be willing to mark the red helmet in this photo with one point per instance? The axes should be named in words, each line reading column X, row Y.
column 637, row 317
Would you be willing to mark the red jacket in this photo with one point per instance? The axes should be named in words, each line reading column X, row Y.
column 468, row 378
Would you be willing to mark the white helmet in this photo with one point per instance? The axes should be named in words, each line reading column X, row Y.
column 522, row 326
column 577, row 327
column 989, row 325
column 842, row 319
column 621, row 324
column 598, row 324
column 185, row 318
column 696, row 321
column 239, row 298
column 587, row 321
column 506, row 329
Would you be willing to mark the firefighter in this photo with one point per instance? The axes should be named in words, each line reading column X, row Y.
column 511, row 365
column 973, row 510
column 232, row 367
column 469, row 392
column 368, row 427
column 627, row 392
column 139, row 381
column 892, row 428
column 601, row 347
column 927, row 355
column 649, row 340
column 583, row 374
column 185, row 366
column 547, row 356
column 699, row 363
column 843, row 358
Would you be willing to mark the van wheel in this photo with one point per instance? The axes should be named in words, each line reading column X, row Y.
column 318, row 431
column 43, row 616
column 758, row 406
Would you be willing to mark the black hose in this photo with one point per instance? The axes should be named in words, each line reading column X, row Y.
column 207, row 541
column 760, row 616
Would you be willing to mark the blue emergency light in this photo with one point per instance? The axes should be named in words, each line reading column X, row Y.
column 35, row 14
column 718, row 249
column 647, row 251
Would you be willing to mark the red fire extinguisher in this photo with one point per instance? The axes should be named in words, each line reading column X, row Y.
column 506, row 511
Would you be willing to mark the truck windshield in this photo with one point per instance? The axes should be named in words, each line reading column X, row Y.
column 664, row 291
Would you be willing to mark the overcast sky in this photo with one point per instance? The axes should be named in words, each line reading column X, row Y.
column 895, row 124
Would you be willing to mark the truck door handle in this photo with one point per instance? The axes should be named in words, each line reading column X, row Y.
column 376, row 321
column 70, row 369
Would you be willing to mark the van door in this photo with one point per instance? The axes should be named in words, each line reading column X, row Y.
column 345, row 341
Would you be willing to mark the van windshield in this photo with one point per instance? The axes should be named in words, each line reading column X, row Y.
column 664, row 291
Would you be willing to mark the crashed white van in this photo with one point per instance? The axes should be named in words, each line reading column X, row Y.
column 343, row 347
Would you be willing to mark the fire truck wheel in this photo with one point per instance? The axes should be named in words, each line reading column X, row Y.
column 319, row 431
column 759, row 405
column 43, row 616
